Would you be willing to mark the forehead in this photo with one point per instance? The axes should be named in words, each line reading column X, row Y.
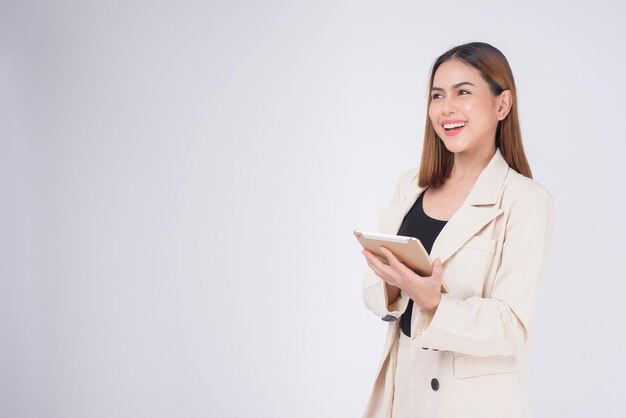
column 453, row 72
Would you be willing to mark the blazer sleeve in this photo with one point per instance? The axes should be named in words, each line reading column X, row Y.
column 499, row 325
column 374, row 289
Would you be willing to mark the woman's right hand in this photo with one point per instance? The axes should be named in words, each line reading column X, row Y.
column 424, row 290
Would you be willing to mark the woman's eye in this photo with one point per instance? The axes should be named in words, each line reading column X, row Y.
column 461, row 92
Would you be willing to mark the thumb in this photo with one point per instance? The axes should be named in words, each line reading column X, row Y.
column 437, row 267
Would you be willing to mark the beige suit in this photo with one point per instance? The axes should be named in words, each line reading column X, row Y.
column 494, row 252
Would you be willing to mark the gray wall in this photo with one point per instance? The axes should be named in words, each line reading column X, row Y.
column 180, row 180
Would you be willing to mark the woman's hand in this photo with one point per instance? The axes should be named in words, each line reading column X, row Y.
column 425, row 291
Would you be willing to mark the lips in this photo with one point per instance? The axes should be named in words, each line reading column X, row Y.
column 453, row 131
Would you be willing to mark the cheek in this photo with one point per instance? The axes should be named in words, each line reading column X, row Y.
column 481, row 112
column 472, row 109
column 478, row 116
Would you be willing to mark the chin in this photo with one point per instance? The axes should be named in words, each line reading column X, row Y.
column 455, row 147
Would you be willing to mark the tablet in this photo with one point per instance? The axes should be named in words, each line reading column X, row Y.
column 408, row 250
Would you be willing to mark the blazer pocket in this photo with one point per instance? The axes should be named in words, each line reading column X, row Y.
column 479, row 242
column 465, row 366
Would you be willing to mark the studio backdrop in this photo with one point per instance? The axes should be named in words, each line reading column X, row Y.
column 179, row 183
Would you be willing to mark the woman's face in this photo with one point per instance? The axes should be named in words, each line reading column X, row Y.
column 471, row 104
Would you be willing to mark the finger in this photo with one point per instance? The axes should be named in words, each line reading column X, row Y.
column 369, row 256
column 381, row 269
column 393, row 261
column 381, row 265
column 437, row 268
column 373, row 262
column 396, row 264
column 381, row 274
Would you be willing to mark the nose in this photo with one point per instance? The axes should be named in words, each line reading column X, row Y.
column 448, row 106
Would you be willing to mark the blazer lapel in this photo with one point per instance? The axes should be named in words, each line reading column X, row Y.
column 464, row 224
column 475, row 212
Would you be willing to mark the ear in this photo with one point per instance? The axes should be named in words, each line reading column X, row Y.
column 505, row 101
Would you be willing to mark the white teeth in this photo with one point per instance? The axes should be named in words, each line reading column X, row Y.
column 453, row 125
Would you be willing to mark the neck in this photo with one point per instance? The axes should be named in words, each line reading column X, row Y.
column 469, row 164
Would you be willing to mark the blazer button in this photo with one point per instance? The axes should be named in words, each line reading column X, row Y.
column 434, row 384
column 389, row 318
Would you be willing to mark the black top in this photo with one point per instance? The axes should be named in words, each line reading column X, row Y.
column 421, row 226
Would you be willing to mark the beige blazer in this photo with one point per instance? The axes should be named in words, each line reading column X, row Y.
column 494, row 252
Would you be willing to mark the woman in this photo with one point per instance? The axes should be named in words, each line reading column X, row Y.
column 488, row 227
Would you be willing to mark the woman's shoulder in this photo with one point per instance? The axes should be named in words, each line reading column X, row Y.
column 520, row 190
column 403, row 182
column 407, row 177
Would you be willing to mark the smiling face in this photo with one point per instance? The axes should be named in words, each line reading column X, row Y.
column 463, row 101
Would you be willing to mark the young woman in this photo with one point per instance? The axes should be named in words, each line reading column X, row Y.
column 488, row 227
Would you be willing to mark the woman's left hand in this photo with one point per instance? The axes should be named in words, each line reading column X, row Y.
column 424, row 290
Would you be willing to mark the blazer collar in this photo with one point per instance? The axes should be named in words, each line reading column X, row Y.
column 478, row 209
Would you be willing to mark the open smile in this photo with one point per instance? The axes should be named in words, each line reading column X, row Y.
column 453, row 127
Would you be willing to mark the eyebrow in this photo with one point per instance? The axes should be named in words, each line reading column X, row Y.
column 455, row 86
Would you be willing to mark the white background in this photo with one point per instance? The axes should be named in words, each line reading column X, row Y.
column 179, row 182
